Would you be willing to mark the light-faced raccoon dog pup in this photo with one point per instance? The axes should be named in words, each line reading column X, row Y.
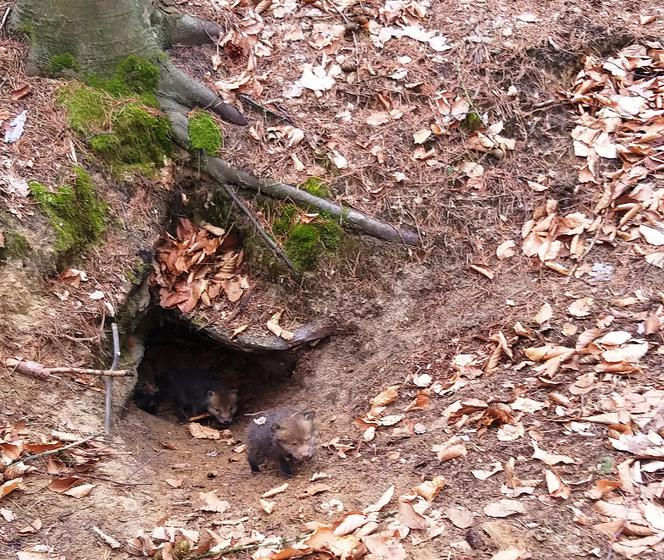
column 198, row 391
column 283, row 435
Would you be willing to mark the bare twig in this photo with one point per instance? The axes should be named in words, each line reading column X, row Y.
column 4, row 17
column 40, row 371
column 55, row 451
column 248, row 101
column 109, row 379
column 259, row 228
column 143, row 465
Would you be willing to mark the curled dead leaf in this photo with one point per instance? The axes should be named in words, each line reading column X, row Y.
column 429, row 489
column 274, row 327
column 504, row 508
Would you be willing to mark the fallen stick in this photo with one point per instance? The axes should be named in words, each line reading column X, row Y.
column 109, row 379
column 259, row 228
column 40, row 371
column 54, row 451
column 225, row 173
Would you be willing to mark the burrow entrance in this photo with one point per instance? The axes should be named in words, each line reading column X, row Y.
column 173, row 348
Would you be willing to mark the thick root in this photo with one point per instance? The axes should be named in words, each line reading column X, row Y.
column 182, row 29
column 220, row 170
column 176, row 86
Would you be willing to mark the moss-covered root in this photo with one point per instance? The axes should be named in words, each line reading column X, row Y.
column 204, row 134
column 75, row 212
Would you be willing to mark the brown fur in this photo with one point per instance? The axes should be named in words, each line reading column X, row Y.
column 286, row 436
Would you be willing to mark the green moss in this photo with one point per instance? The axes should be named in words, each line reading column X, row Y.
column 305, row 244
column 204, row 133
column 137, row 274
column 330, row 234
column 134, row 76
column 27, row 28
column 16, row 245
column 140, row 75
column 87, row 108
column 472, row 122
column 137, row 137
column 126, row 134
column 62, row 62
column 316, row 186
column 284, row 222
column 76, row 213
column 116, row 117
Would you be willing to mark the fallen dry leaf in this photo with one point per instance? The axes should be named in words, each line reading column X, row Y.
column 460, row 517
column 80, row 491
column 506, row 249
column 544, row 314
column 504, row 508
column 429, row 489
column 409, row 517
column 315, row 489
column 381, row 502
column 274, row 327
column 581, row 307
column 110, row 541
column 350, row 523
column 512, row 554
column 386, row 397
column 481, row 474
column 555, row 485
column 203, row 432
column 483, row 270
column 209, row 501
column 447, row 452
column 385, row 547
column 266, row 505
column 550, row 458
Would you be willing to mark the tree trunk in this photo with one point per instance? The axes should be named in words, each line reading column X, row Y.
column 97, row 33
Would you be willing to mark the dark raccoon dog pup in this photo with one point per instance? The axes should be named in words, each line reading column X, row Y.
column 197, row 391
column 147, row 396
column 282, row 435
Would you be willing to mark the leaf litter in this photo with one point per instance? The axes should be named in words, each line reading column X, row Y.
column 596, row 359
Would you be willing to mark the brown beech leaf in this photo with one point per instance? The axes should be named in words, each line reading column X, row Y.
column 409, row 517
column 386, row 397
column 429, row 489
column 504, row 508
column 9, row 486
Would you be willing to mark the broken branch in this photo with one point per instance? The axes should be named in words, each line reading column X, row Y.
column 58, row 450
column 259, row 228
column 220, row 170
column 40, row 371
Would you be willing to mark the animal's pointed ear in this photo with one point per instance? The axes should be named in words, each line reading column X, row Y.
column 210, row 394
column 308, row 415
column 233, row 392
column 275, row 427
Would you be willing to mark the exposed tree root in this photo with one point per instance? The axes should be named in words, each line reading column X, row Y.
column 311, row 333
column 224, row 173
column 183, row 29
column 176, row 86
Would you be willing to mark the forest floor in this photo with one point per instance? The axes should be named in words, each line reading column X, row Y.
column 502, row 385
